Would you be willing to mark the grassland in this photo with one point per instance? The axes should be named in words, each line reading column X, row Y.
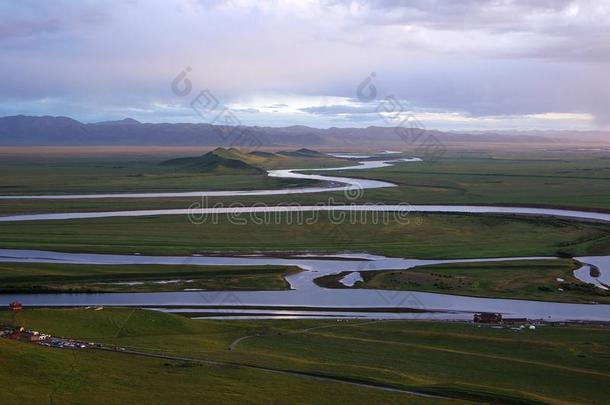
column 143, row 173
column 553, row 364
column 70, row 278
column 558, row 178
column 544, row 178
column 38, row 375
column 567, row 180
column 543, row 280
column 425, row 236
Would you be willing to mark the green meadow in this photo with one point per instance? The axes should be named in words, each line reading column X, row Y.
column 421, row 236
column 553, row 364
column 568, row 179
column 73, row 278
column 36, row 374
column 543, row 280
column 82, row 174
column 306, row 361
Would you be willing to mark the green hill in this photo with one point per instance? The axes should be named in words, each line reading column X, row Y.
column 220, row 160
column 262, row 154
column 303, row 152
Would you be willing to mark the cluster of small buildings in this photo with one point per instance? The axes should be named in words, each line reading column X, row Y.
column 497, row 319
column 31, row 336
column 487, row 317
column 22, row 334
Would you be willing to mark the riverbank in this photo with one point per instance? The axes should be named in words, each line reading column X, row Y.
column 38, row 278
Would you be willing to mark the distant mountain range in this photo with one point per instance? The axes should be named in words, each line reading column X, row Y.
column 21, row 130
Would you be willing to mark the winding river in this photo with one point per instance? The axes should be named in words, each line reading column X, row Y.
column 305, row 293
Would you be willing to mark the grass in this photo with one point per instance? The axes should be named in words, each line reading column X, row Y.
column 567, row 178
column 218, row 161
column 34, row 375
column 48, row 174
column 519, row 279
column 70, row 278
column 425, row 236
column 553, row 364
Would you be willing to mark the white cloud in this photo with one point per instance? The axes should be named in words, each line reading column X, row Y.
column 479, row 59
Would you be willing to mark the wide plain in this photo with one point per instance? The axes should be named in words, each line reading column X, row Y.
column 307, row 361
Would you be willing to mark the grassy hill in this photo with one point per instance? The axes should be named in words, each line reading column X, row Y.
column 234, row 161
column 220, row 160
column 262, row 154
column 303, row 152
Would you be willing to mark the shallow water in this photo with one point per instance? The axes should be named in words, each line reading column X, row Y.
column 602, row 263
column 403, row 209
column 351, row 279
column 305, row 293
column 351, row 155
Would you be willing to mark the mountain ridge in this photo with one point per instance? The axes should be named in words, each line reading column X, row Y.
column 22, row 130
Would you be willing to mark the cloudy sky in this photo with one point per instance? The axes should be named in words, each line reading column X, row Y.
column 455, row 64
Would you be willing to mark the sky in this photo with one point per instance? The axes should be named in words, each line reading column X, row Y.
column 454, row 65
